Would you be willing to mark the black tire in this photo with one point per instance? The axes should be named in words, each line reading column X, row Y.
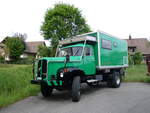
column 115, row 80
column 46, row 90
column 76, row 85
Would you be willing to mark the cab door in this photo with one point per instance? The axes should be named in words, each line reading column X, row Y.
column 89, row 60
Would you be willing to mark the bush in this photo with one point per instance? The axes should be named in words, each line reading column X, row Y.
column 44, row 51
column 21, row 61
column 137, row 58
column 130, row 59
column 2, row 59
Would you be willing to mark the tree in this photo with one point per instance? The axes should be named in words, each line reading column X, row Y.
column 21, row 36
column 15, row 47
column 43, row 51
column 137, row 58
column 63, row 21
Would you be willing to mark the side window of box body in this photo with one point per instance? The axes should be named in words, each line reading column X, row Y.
column 106, row 44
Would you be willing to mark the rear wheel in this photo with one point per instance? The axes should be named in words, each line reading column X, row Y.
column 46, row 90
column 115, row 80
column 76, row 84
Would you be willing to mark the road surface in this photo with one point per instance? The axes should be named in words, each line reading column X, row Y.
column 129, row 98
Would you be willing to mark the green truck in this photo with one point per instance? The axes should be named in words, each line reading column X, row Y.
column 88, row 58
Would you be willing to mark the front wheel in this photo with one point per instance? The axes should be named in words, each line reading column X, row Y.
column 46, row 90
column 76, row 84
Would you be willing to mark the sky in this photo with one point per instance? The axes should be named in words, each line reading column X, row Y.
column 117, row 17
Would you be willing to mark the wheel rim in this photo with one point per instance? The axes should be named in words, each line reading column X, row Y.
column 118, row 80
column 78, row 93
column 79, row 90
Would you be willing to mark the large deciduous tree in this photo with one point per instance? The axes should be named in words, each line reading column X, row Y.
column 63, row 21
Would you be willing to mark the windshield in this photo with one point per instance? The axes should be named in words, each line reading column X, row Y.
column 71, row 51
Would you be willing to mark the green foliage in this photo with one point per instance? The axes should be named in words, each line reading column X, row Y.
column 130, row 59
column 137, row 58
column 43, row 51
column 2, row 59
column 15, row 47
column 63, row 21
column 136, row 73
column 20, row 61
column 15, row 83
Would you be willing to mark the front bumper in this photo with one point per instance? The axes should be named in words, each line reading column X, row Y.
column 50, row 83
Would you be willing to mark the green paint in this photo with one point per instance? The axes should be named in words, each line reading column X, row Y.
column 116, row 56
column 113, row 56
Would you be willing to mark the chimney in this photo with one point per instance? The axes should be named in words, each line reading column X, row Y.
column 130, row 37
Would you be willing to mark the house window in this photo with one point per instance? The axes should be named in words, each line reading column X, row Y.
column 132, row 49
column 106, row 44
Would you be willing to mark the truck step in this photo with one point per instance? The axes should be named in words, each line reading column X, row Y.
column 92, row 80
column 99, row 77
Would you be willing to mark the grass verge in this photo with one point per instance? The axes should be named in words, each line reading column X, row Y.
column 15, row 83
column 136, row 73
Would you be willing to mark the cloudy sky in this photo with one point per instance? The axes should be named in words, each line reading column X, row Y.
column 116, row 17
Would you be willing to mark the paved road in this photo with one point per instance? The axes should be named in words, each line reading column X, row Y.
column 129, row 98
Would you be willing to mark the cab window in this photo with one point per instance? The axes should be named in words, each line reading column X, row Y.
column 88, row 51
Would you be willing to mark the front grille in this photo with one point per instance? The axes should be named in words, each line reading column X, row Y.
column 44, row 68
column 39, row 66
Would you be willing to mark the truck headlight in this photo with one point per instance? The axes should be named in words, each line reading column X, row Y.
column 61, row 74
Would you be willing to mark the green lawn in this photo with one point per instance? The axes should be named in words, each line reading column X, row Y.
column 15, row 83
column 137, row 74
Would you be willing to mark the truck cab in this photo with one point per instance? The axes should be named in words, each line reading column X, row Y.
column 76, row 61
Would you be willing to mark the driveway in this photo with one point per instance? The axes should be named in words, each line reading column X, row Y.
column 129, row 98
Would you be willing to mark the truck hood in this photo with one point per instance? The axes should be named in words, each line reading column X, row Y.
column 56, row 63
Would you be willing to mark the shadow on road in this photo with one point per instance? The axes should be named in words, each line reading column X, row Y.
column 66, row 95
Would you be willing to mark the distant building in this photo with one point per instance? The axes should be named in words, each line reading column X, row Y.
column 138, row 45
column 2, row 51
column 31, row 48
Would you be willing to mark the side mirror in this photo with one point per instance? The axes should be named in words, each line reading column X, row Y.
column 67, row 58
column 83, row 57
